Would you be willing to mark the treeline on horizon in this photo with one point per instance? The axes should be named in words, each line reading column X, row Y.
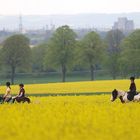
column 117, row 53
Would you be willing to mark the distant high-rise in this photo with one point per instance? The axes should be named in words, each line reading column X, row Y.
column 20, row 24
column 124, row 25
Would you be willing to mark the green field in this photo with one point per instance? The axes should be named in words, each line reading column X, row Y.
column 52, row 78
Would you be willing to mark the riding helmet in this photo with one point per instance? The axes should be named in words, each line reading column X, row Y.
column 132, row 78
column 8, row 84
column 21, row 85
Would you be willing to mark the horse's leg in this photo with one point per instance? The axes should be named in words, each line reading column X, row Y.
column 14, row 99
column 121, row 99
column 23, row 99
column 19, row 100
column 125, row 98
column 11, row 100
column 1, row 100
column 7, row 99
column 27, row 100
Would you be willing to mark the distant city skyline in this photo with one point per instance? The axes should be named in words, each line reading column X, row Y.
column 92, row 21
column 125, row 25
column 50, row 7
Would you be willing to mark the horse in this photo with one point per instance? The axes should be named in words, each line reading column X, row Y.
column 123, row 96
column 3, row 101
column 22, row 100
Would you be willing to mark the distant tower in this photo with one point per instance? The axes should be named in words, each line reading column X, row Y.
column 20, row 24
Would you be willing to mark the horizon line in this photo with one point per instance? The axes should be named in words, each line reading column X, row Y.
column 71, row 14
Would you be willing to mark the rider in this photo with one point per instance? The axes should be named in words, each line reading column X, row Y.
column 7, row 96
column 21, row 94
column 132, row 90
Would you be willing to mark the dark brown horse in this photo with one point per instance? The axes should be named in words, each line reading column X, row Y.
column 22, row 100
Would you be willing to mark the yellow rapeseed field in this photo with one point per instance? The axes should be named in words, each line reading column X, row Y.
column 74, row 87
column 70, row 118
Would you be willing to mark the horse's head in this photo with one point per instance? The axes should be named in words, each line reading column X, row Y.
column 114, row 95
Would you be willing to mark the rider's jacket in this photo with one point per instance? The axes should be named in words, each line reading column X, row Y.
column 132, row 92
column 8, row 92
column 21, row 93
column 132, row 87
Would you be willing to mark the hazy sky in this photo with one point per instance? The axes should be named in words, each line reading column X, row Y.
column 67, row 6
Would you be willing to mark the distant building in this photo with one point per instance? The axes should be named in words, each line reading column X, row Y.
column 21, row 29
column 124, row 25
column 20, row 24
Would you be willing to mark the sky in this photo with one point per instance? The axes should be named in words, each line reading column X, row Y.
column 50, row 7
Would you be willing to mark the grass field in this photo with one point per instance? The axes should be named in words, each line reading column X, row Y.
column 53, row 77
column 74, row 87
column 70, row 118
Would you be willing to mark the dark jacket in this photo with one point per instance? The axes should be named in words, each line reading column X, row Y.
column 132, row 87
column 21, row 93
column 132, row 92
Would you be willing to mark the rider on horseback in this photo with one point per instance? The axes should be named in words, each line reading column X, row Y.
column 7, row 96
column 132, row 89
column 21, row 94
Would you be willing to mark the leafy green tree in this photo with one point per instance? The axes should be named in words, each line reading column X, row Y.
column 1, row 58
column 60, row 50
column 16, row 54
column 38, row 54
column 113, row 40
column 90, row 52
column 130, row 59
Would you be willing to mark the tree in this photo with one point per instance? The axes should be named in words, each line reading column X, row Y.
column 16, row 54
column 113, row 40
column 90, row 51
column 1, row 58
column 130, row 60
column 61, row 49
column 38, row 54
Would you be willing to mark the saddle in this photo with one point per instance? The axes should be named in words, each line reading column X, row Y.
column 131, row 95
